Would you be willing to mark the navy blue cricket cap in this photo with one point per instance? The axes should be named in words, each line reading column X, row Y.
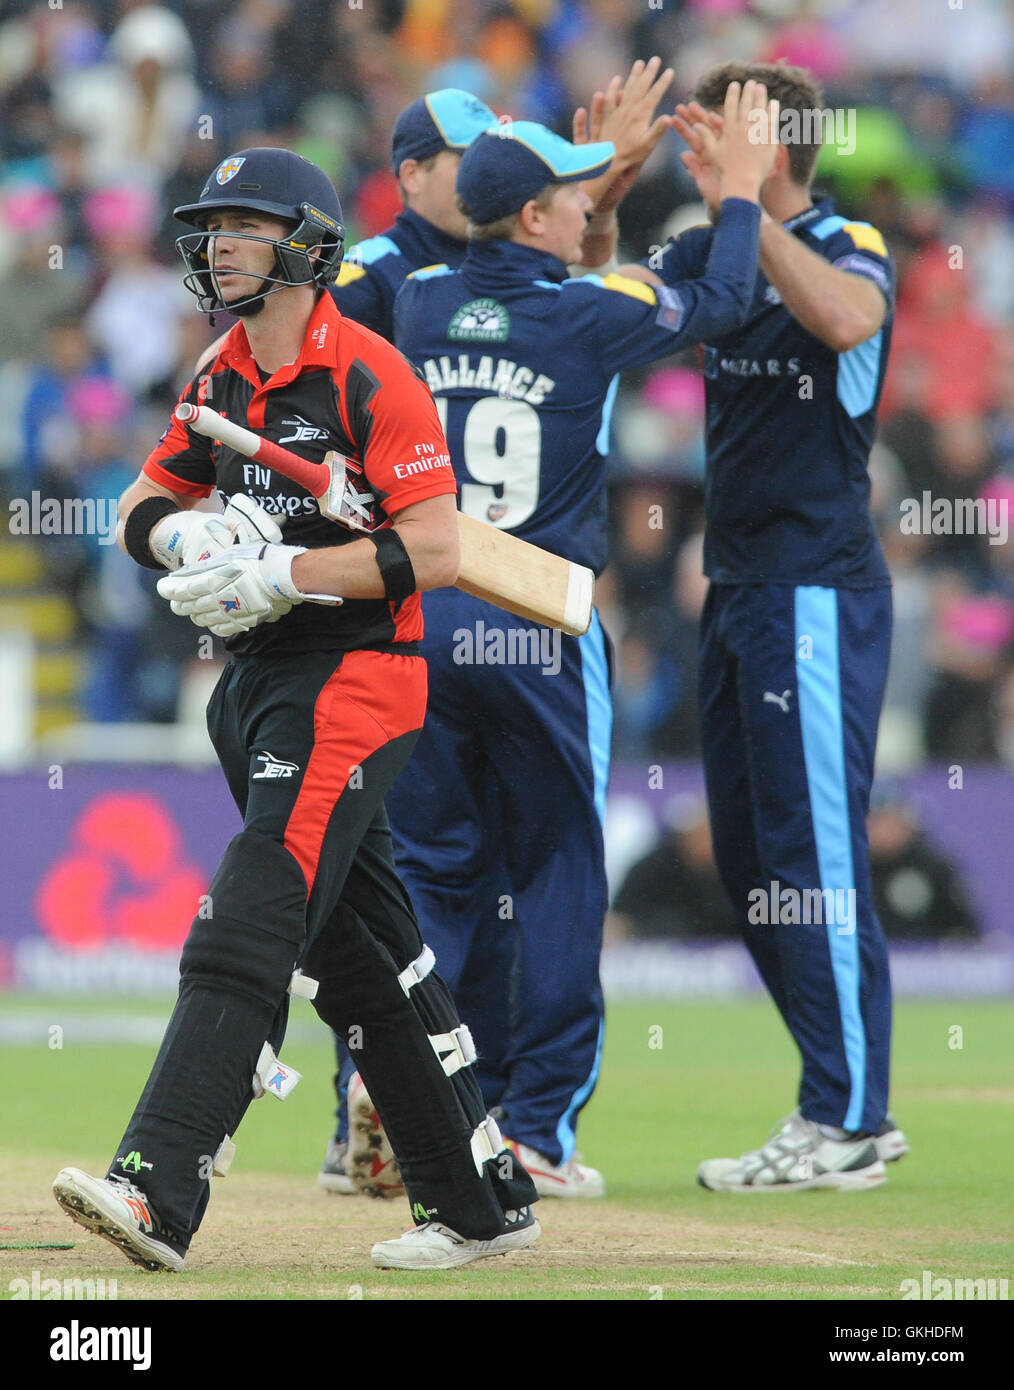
column 513, row 162
column 446, row 120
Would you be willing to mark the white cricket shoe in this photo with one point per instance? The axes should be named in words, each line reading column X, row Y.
column 435, row 1246
column 118, row 1211
column 570, row 1179
column 800, row 1156
column 332, row 1176
column 890, row 1142
column 370, row 1164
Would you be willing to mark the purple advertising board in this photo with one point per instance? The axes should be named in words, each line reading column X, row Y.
column 106, row 866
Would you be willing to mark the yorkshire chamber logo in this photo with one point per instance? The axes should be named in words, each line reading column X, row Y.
column 480, row 321
column 229, row 169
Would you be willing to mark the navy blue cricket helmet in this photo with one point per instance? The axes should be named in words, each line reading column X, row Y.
column 278, row 183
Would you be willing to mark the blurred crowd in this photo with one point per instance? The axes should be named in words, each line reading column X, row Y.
column 673, row 892
column 112, row 111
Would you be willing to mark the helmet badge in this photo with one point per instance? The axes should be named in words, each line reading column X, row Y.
column 229, row 169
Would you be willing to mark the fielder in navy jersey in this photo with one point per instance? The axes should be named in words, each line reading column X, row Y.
column 427, row 144
column 512, row 765
column 795, row 640
column 428, row 140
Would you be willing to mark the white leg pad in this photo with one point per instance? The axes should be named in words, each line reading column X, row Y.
column 459, row 1047
column 303, row 986
column 222, row 1161
column 273, row 1077
column 417, row 970
column 486, row 1142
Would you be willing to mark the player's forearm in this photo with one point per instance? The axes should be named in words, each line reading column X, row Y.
column 731, row 272
column 139, row 491
column 839, row 308
column 598, row 246
column 351, row 571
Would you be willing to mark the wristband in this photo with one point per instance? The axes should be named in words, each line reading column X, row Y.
column 139, row 525
column 395, row 567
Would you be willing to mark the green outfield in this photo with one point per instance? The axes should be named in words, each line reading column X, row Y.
column 679, row 1083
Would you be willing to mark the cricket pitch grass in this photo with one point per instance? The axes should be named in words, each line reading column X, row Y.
column 679, row 1082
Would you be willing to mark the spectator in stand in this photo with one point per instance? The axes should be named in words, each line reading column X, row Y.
column 643, row 549
column 39, row 285
column 644, row 689
column 936, row 322
column 136, row 318
column 662, row 430
column 674, row 892
column 114, row 595
column 987, row 136
column 971, row 644
column 138, row 107
column 68, row 358
column 249, row 102
column 918, row 892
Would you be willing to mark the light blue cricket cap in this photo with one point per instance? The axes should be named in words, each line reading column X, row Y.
column 512, row 162
column 446, row 120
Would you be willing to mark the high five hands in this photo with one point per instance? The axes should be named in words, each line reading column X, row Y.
column 731, row 154
column 623, row 113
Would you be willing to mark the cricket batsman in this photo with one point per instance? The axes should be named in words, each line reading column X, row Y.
column 312, row 720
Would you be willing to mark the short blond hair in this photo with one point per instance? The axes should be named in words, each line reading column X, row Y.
column 505, row 227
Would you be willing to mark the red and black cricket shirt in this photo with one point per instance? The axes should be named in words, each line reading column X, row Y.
column 348, row 390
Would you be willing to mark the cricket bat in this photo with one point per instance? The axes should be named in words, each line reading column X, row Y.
column 495, row 566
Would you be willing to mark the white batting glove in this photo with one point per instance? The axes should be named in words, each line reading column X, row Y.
column 238, row 589
column 187, row 538
column 250, row 523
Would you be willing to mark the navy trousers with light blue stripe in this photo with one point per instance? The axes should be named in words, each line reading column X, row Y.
column 497, row 824
column 791, row 685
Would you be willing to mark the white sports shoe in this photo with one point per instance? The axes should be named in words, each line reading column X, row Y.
column 800, row 1156
column 891, row 1144
column 570, row 1179
column 435, row 1246
column 370, row 1164
column 118, row 1211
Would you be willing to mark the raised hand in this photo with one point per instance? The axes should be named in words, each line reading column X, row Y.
column 624, row 115
column 705, row 175
column 745, row 149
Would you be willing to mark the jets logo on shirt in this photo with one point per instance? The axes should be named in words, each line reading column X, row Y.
column 273, row 768
column 480, row 321
column 303, row 430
